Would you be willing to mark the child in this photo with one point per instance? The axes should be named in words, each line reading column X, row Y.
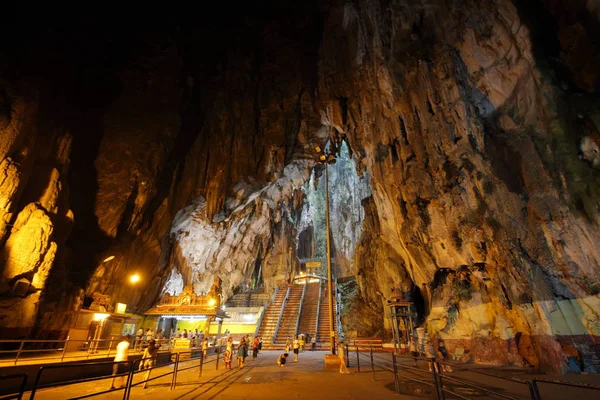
column 282, row 359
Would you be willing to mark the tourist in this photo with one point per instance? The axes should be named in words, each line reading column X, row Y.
column 296, row 348
column 184, row 334
column 242, row 352
column 288, row 344
column 301, row 341
column 430, row 354
column 442, row 353
column 159, row 334
column 178, row 334
column 260, row 343
column 282, row 359
column 342, row 356
column 149, row 359
column 255, row 348
column 412, row 348
column 228, row 352
column 122, row 355
column 313, row 343
column 204, row 347
column 149, row 334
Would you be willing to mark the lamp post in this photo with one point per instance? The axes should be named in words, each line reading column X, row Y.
column 327, row 159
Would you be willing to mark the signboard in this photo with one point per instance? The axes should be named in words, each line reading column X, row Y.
column 313, row 264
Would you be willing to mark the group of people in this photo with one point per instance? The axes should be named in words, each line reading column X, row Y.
column 431, row 353
column 146, row 363
column 244, row 347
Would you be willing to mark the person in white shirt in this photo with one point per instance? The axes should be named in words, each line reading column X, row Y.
column 296, row 348
column 122, row 355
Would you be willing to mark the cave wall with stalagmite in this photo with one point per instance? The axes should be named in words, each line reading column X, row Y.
column 183, row 152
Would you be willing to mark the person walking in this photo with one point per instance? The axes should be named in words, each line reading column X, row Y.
column 228, row 352
column 241, row 353
column 148, row 360
column 288, row 344
column 313, row 343
column 121, row 356
column 296, row 345
column 255, row 348
column 342, row 356
column 204, row 347
column 260, row 343
column 430, row 354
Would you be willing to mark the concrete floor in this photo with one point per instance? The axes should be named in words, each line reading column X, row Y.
column 309, row 379
column 260, row 379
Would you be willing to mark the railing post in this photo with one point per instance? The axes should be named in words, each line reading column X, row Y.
column 109, row 346
column 201, row 364
column 129, row 381
column 19, row 352
column 534, row 391
column 396, row 381
column 35, row 384
column 437, row 378
column 357, row 359
column 347, row 350
column 372, row 366
column 176, row 366
column 62, row 357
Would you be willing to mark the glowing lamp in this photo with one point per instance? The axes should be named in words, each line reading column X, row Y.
column 100, row 316
column 135, row 278
column 212, row 302
column 107, row 259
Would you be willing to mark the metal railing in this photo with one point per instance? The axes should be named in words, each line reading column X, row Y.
column 318, row 310
column 28, row 351
column 163, row 365
column 283, row 303
column 8, row 391
column 440, row 381
column 264, row 311
column 300, row 311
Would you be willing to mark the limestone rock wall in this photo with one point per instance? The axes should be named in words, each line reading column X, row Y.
column 472, row 151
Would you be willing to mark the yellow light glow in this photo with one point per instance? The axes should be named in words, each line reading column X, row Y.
column 100, row 316
column 135, row 278
column 107, row 259
column 212, row 302
column 121, row 308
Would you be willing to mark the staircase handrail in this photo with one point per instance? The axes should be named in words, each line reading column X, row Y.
column 300, row 310
column 264, row 311
column 318, row 309
column 338, row 310
column 285, row 300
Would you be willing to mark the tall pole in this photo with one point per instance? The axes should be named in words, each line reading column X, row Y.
column 329, row 275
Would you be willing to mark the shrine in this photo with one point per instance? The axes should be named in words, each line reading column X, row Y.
column 189, row 310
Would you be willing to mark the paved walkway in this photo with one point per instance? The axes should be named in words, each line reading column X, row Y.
column 260, row 379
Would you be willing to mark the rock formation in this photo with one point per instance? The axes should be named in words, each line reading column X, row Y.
column 184, row 153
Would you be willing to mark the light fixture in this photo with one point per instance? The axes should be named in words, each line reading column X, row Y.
column 317, row 149
column 107, row 259
column 135, row 278
column 100, row 316
column 212, row 302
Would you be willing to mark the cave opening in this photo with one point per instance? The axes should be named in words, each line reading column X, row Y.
column 346, row 192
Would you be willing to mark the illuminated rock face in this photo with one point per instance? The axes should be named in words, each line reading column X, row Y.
column 188, row 163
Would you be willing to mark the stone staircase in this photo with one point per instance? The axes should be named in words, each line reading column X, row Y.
column 271, row 317
column 323, row 325
column 308, row 318
column 248, row 299
column 289, row 320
